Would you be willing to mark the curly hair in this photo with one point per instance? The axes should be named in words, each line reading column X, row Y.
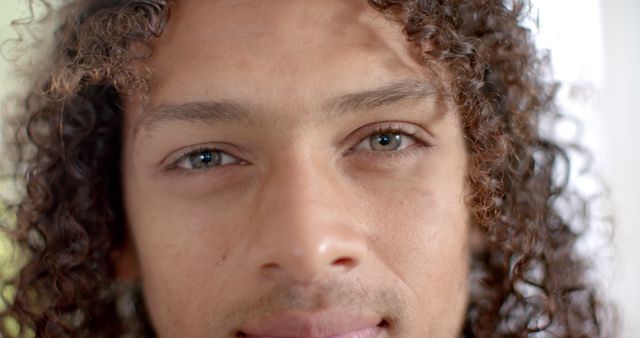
column 528, row 278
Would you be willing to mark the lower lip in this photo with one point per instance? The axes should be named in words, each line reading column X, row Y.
column 369, row 332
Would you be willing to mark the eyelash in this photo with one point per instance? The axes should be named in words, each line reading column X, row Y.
column 389, row 128
column 197, row 151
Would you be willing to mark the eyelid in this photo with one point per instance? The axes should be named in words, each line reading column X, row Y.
column 404, row 128
column 199, row 152
column 170, row 162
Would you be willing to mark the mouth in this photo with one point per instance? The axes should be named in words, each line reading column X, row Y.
column 328, row 325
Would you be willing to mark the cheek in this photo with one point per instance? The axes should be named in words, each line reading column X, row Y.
column 184, row 247
column 420, row 233
column 426, row 249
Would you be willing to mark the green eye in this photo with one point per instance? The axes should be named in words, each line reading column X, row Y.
column 387, row 139
column 385, row 142
column 201, row 159
column 204, row 159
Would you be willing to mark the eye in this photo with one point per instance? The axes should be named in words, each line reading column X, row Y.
column 387, row 139
column 204, row 158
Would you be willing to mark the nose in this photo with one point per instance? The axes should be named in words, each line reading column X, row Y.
column 304, row 229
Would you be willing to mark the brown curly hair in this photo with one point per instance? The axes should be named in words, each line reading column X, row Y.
column 528, row 279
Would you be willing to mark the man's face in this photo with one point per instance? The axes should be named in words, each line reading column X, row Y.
column 294, row 173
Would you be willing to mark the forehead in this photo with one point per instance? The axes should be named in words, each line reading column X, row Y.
column 260, row 49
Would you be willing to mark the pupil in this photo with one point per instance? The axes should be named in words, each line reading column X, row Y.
column 384, row 139
column 206, row 157
column 386, row 142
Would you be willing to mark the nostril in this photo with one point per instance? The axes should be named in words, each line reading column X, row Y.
column 270, row 266
column 344, row 261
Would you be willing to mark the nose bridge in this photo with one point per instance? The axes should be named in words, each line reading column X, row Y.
column 302, row 227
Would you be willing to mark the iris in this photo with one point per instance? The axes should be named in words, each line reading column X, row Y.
column 385, row 142
column 205, row 159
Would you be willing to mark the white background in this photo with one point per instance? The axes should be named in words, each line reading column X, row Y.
column 595, row 46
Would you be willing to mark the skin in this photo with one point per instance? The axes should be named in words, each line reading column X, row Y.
column 304, row 221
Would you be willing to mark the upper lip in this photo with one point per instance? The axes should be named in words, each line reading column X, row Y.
column 310, row 324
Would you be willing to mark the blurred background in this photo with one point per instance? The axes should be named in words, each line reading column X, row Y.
column 594, row 48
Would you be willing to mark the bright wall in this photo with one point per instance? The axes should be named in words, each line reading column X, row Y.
column 9, row 10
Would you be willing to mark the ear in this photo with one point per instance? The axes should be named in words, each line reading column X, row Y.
column 125, row 261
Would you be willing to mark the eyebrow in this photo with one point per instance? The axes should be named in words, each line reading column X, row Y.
column 370, row 99
column 231, row 112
